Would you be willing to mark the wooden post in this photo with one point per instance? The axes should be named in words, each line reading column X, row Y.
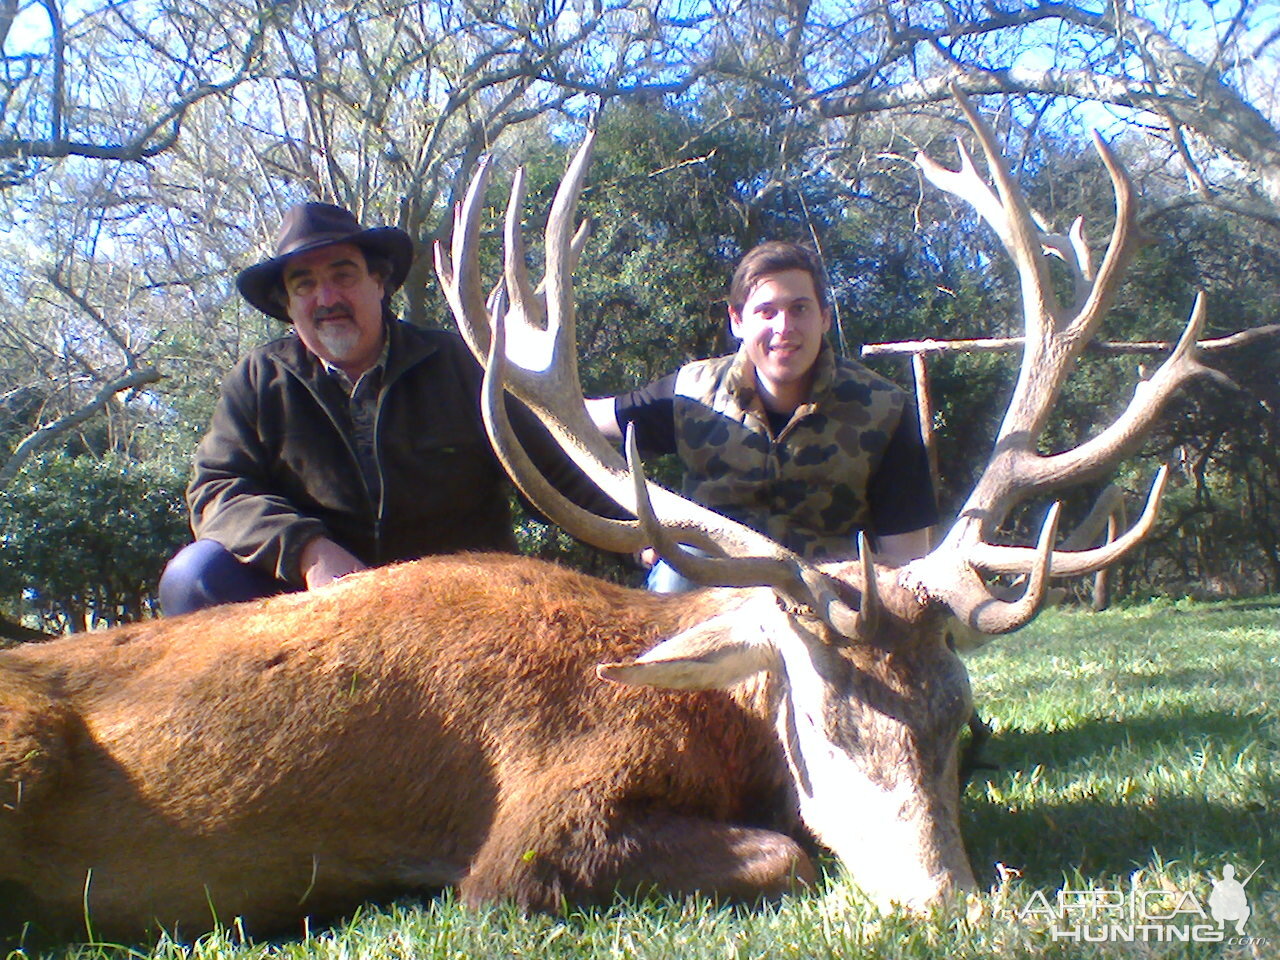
column 1102, row 579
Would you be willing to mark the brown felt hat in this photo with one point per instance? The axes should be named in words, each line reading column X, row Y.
column 311, row 225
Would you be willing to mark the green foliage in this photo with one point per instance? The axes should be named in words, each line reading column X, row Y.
column 674, row 200
column 83, row 539
column 537, row 538
column 1136, row 746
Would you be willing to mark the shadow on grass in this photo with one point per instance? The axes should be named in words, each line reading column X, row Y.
column 1199, row 609
column 1249, row 605
column 1114, row 682
column 1050, row 841
column 1080, row 743
column 1103, row 835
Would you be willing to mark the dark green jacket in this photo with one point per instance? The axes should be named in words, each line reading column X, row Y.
column 277, row 467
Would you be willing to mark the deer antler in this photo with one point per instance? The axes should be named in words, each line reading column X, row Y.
column 1055, row 337
column 782, row 573
column 529, row 348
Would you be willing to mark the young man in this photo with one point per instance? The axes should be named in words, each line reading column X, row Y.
column 783, row 435
column 353, row 441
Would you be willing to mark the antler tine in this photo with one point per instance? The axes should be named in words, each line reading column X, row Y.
column 967, row 184
column 619, row 536
column 1082, row 274
column 982, row 611
column 546, row 381
column 997, row 558
column 560, row 260
column 464, row 291
column 869, row 609
column 524, row 302
column 1023, row 237
column 1108, row 505
column 1083, row 255
column 1072, row 250
column 779, row 570
column 1119, row 248
column 1098, row 454
column 799, row 582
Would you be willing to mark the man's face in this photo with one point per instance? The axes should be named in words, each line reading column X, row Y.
column 781, row 327
column 336, row 305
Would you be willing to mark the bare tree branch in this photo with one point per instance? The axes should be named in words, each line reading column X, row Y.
column 41, row 437
column 133, row 145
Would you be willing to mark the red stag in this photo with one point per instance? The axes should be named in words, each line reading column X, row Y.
column 441, row 722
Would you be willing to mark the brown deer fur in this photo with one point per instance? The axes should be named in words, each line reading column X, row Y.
column 434, row 723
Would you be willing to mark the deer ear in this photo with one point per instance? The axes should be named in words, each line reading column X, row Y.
column 710, row 656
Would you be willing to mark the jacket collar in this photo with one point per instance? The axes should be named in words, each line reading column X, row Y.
column 405, row 350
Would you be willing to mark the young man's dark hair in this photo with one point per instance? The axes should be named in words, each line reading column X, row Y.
column 775, row 256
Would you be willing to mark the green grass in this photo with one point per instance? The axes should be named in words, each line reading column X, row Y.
column 1135, row 747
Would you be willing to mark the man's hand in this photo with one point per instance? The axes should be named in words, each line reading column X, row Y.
column 601, row 411
column 323, row 561
column 898, row 548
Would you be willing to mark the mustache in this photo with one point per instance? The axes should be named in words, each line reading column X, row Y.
column 337, row 310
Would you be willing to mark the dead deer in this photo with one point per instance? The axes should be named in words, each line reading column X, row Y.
column 444, row 722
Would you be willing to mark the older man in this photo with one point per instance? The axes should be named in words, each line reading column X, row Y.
column 354, row 440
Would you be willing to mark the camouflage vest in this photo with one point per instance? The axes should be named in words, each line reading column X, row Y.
column 805, row 488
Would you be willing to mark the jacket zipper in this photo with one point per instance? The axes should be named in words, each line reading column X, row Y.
column 351, row 452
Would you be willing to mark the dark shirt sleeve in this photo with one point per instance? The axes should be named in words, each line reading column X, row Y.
column 651, row 410
column 541, row 447
column 232, row 497
column 900, row 493
column 556, row 465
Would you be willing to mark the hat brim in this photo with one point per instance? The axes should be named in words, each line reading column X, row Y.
column 258, row 284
